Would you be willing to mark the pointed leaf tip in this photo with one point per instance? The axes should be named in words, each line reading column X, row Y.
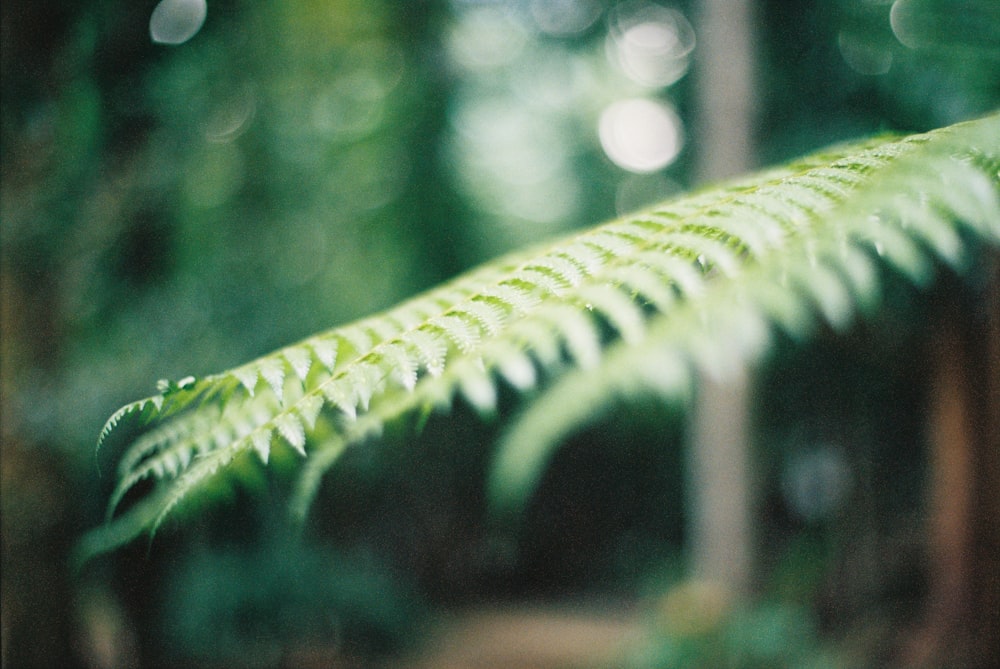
column 326, row 352
column 273, row 371
column 247, row 375
column 300, row 361
column 260, row 439
column 290, row 427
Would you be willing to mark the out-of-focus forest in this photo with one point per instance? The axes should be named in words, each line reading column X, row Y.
column 188, row 186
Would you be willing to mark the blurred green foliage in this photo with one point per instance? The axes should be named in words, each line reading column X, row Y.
column 696, row 627
column 301, row 599
column 176, row 210
column 192, row 208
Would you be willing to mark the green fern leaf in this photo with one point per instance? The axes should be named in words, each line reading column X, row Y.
column 642, row 304
column 910, row 208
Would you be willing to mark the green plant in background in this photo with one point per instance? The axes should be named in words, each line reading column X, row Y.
column 302, row 596
column 143, row 160
column 697, row 624
column 638, row 305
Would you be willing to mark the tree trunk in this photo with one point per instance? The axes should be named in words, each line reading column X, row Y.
column 962, row 620
column 720, row 490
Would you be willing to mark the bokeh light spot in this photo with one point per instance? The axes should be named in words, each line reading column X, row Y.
column 514, row 145
column 176, row 21
column 815, row 482
column 650, row 43
column 485, row 38
column 563, row 18
column 232, row 118
column 863, row 57
column 640, row 135
column 930, row 24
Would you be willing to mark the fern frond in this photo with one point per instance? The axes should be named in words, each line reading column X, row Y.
column 141, row 408
column 905, row 214
column 639, row 304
